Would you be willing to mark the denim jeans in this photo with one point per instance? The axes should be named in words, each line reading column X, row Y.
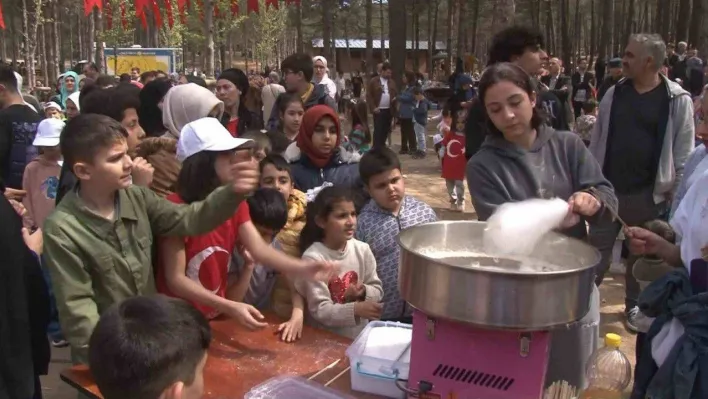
column 420, row 136
column 53, row 330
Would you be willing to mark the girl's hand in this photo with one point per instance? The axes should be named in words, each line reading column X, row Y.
column 584, row 204
column 245, row 176
column 12, row 194
column 368, row 310
column 247, row 258
column 246, row 315
column 354, row 293
column 644, row 242
column 142, row 172
column 34, row 241
column 291, row 330
column 19, row 208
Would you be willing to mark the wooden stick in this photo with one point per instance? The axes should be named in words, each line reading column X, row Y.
column 334, row 363
column 337, row 376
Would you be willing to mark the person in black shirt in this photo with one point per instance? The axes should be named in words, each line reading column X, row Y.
column 615, row 66
column 357, row 84
column 642, row 138
column 18, row 126
column 522, row 46
column 581, row 86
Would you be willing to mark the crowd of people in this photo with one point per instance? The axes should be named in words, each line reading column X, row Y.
column 248, row 195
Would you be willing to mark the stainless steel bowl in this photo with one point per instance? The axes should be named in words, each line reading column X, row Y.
column 445, row 273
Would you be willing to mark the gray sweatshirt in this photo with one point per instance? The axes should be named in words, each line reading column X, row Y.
column 557, row 165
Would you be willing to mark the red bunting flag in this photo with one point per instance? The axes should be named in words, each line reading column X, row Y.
column 123, row 16
column 2, row 18
column 271, row 3
column 182, row 6
column 296, row 2
column 108, row 12
column 157, row 14
column 90, row 4
column 252, row 6
column 234, row 7
column 168, row 11
column 140, row 11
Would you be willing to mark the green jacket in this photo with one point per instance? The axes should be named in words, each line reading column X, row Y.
column 95, row 262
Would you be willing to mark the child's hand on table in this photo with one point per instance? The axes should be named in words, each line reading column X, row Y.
column 291, row 330
column 368, row 310
column 246, row 315
column 354, row 293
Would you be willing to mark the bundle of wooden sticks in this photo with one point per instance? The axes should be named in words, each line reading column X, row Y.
column 560, row 390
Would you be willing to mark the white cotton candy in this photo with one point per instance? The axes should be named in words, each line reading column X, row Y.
column 516, row 227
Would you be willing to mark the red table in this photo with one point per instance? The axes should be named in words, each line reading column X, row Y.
column 240, row 359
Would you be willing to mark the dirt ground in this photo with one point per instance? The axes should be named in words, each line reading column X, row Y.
column 422, row 181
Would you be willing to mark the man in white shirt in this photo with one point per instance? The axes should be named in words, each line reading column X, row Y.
column 381, row 98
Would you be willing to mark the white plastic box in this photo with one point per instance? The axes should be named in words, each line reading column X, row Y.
column 375, row 366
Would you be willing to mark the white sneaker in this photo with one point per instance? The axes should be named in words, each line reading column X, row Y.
column 461, row 207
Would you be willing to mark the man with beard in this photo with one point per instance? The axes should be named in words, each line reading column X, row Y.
column 522, row 46
column 18, row 126
column 615, row 66
column 298, row 70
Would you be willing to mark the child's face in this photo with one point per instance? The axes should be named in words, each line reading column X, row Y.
column 324, row 138
column 292, row 118
column 266, row 234
column 71, row 110
column 222, row 166
column 259, row 154
column 280, row 180
column 52, row 152
column 110, row 169
column 340, row 224
column 387, row 189
column 130, row 122
column 52, row 113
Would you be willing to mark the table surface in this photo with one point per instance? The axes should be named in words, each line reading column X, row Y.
column 240, row 360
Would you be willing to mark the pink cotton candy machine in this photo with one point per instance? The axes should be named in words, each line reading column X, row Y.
column 481, row 325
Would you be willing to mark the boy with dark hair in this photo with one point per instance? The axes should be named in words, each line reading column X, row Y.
column 98, row 241
column 388, row 212
column 18, row 127
column 420, row 120
column 150, row 347
column 522, row 46
column 297, row 70
column 120, row 104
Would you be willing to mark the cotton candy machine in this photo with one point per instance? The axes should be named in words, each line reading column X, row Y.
column 481, row 324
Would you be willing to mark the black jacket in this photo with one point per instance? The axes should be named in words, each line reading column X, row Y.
column 24, row 311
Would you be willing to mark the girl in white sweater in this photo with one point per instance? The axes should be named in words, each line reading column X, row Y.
column 348, row 301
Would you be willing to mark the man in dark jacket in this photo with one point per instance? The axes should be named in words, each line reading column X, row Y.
column 581, row 81
column 615, row 66
column 24, row 309
column 523, row 46
column 297, row 74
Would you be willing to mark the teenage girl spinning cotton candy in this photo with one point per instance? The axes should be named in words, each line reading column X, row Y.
column 348, row 301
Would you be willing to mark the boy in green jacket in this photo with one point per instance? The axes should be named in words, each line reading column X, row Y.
column 98, row 241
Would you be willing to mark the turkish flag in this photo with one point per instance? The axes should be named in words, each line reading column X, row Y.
column 234, row 7
column 2, row 18
column 271, row 3
column 108, row 12
column 182, row 6
column 252, row 6
column 158, row 15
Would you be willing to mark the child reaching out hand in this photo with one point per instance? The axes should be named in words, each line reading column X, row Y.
column 345, row 303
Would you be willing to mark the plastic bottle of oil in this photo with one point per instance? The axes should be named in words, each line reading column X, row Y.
column 608, row 371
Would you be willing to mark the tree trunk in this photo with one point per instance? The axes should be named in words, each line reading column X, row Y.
column 298, row 28
column 475, row 25
column 503, row 14
column 460, row 29
column 448, row 33
column 630, row 22
column 605, row 33
column 100, row 51
column 369, row 53
column 397, row 35
column 30, row 15
column 416, row 36
column 91, row 37
column 42, row 51
column 383, row 30
column 565, row 35
column 431, row 39
column 697, row 27
column 209, row 36
column 54, row 48
column 327, row 16
column 683, row 20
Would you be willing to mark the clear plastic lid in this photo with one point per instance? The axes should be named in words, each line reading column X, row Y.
column 291, row 387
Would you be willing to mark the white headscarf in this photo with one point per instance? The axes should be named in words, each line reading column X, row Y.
column 326, row 81
column 19, row 79
column 74, row 97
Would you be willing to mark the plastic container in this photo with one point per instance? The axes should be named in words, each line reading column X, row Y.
column 379, row 356
column 608, row 371
column 293, row 387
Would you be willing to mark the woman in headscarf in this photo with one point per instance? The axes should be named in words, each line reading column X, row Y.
column 317, row 156
column 69, row 85
column 181, row 105
column 73, row 108
column 150, row 112
column 231, row 88
column 321, row 76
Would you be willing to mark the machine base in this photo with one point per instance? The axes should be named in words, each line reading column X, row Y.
column 455, row 361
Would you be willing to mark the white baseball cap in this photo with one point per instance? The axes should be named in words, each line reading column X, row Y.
column 48, row 133
column 206, row 134
column 52, row 104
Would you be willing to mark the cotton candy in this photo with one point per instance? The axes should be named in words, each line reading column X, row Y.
column 515, row 228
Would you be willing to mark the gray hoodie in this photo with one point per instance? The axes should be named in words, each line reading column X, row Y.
column 557, row 165
column 678, row 143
